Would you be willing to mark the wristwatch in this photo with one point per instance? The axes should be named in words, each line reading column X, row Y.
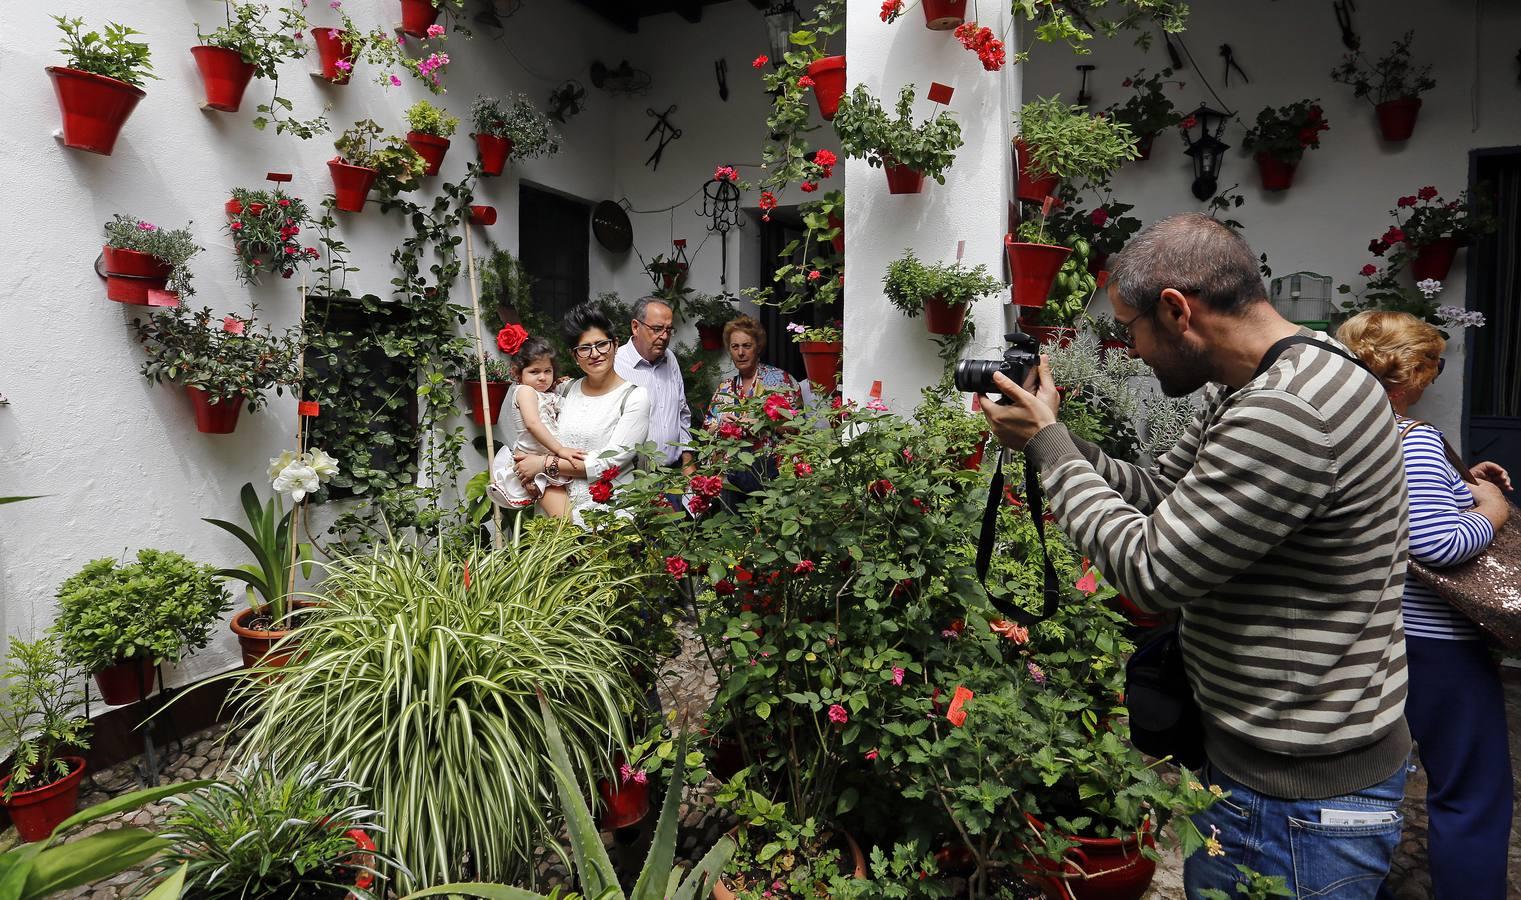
column 552, row 466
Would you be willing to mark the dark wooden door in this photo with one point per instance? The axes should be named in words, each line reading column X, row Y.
column 1493, row 397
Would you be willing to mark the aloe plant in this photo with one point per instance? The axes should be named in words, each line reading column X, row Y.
column 659, row 880
column 268, row 537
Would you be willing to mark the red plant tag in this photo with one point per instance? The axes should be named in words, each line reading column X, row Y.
column 157, row 297
column 309, row 408
column 467, row 574
column 277, row 176
column 233, row 325
column 956, row 714
column 960, row 250
column 876, row 390
column 1047, row 204
column 940, row 93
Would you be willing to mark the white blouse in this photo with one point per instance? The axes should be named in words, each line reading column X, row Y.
column 608, row 427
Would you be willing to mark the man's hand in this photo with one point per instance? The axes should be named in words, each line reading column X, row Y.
column 1014, row 424
column 1492, row 472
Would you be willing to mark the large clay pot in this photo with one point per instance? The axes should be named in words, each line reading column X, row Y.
column 220, row 417
column 94, row 107
column 1034, row 268
column 828, row 76
column 821, row 359
column 1032, row 185
column 902, row 179
column 127, row 681
column 430, row 147
column 943, row 318
column 944, row 15
column 417, row 15
column 1126, row 873
column 37, row 812
column 493, row 152
column 225, row 75
column 624, row 803
column 331, row 49
column 351, row 184
column 1396, row 118
column 1434, row 260
column 130, row 275
column 256, row 643
column 1277, row 175
column 496, row 393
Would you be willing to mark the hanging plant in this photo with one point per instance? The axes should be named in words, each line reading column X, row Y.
column 368, row 157
column 510, row 129
column 265, row 227
column 1393, row 84
column 1428, row 231
column 1071, row 143
column 787, row 157
column 1103, row 230
column 245, row 47
column 101, row 85
column 867, row 132
column 151, row 257
column 941, row 292
column 1148, row 111
column 430, row 131
column 388, row 53
column 1281, row 137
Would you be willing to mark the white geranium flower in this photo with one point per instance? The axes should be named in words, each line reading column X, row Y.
column 325, row 466
column 297, row 481
column 1429, row 286
column 277, row 464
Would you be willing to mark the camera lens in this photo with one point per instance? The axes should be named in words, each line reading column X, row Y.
column 975, row 376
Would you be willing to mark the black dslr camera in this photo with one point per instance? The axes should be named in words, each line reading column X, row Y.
column 1023, row 357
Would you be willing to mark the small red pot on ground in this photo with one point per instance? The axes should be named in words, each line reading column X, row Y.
column 331, row 49
column 1396, row 118
column 711, row 336
column 417, row 15
column 821, row 359
column 1434, row 260
column 828, row 76
column 430, row 147
column 493, row 153
column 1277, row 175
column 94, row 107
column 1143, row 146
column 351, row 184
column 624, row 803
column 902, row 179
column 722, row 891
column 214, row 418
column 1032, row 185
column 130, row 275
column 1126, row 873
column 496, row 393
column 1034, row 267
column 943, row 318
column 38, row 811
column 225, row 75
column 127, row 681
column 363, row 880
column 943, row 15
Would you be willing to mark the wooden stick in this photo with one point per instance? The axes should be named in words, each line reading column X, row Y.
column 480, row 356
column 295, row 514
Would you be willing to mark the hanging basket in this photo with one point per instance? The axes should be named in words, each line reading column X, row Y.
column 94, row 107
column 225, row 76
column 496, row 393
column 37, row 812
column 828, row 76
column 430, row 147
column 332, row 48
column 821, row 360
column 1396, row 118
column 943, row 318
column 1434, row 260
column 1277, row 175
column 1034, row 267
column 902, row 179
column 130, row 275
column 417, row 15
column 494, row 152
column 220, row 417
column 943, row 15
column 128, row 681
column 1032, row 185
column 351, row 184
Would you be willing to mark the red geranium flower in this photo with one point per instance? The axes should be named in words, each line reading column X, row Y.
column 1189, row 122
column 815, row 275
column 1368, row 270
column 767, row 200
column 1407, row 201
column 805, row 82
column 1099, row 217
column 725, row 173
column 1377, row 247
column 1393, row 236
column 675, row 566
column 1427, row 193
column 803, row 568
column 891, row 9
column 809, row 187
column 825, row 158
column 760, row 61
column 881, row 488
column 801, row 469
column 510, row 339
column 724, row 588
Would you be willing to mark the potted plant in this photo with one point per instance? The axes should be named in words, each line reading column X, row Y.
column 711, row 315
column 1149, row 111
column 118, row 621
column 498, row 380
column 1385, row 290
column 265, row 227
column 40, row 721
column 1280, row 138
column 513, row 129
column 811, row 67
column 1111, row 334
column 906, row 152
column 1393, row 84
column 431, row 128
column 222, row 366
column 387, row 52
column 1094, row 233
column 1428, row 231
column 951, row 433
column 143, row 260
column 101, row 85
column 244, row 47
column 942, row 292
column 367, row 158
column 335, row 54
column 821, row 346
column 1059, row 142
column 1034, row 263
column 418, row 16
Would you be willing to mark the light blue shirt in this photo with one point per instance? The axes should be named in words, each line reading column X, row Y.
column 670, row 417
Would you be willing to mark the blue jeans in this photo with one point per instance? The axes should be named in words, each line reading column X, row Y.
column 1319, row 856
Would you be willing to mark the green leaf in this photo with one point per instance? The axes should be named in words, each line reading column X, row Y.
column 763, row 710
column 128, row 801
column 170, row 888
column 90, row 859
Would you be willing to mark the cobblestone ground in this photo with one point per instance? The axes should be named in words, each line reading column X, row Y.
column 686, row 685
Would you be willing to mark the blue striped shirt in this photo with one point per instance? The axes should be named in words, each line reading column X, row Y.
column 1444, row 531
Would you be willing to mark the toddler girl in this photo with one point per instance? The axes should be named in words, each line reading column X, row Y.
column 534, row 409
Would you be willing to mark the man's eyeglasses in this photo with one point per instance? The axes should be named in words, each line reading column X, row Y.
column 1124, row 326
column 657, row 330
column 587, row 351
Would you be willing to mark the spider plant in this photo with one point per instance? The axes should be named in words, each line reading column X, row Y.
column 418, row 671
column 268, row 537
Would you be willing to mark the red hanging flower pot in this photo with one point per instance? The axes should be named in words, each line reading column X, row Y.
column 483, row 215
column 711, row 336
column 1032, row 185
column 623, row 804
column 351, row 184
column 1096, row 869
column 496, row 393
column 1277, row 175
column 839, row 239
column 943, row 15
column 224, row 74
column 220, row 417
column 417, row 15
column 430, row 147
column 901, row 179
column 828, row 76
column 973, row 461
column 38, row 811
column 1434, row 260
column 1143, row 146
column 94, row 107
column 942, row 317
column 128, row 681
column 332, row 49
column 493, row 152
column 130, row 275
column 821, row 360
column 363, row 880
column 1396, row 118
column 1034, row 267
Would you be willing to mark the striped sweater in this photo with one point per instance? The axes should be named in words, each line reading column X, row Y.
column 1278, row 525
column 1444, row 531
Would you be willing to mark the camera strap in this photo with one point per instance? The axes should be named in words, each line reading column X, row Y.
column 1036, row 505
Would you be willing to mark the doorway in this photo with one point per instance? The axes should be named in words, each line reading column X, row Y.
column 1493, row 398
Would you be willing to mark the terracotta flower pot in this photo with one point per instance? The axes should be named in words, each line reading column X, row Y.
column 1396, row 118
column 828, row 76
column 351, row 184
column 943, row 15
column 973, row 461
column 256, row 643
column 94, row 107
column 1143, row 146
column 493, row 153
column 1032, row 185
column 943, row 318
column 38, row 811
column 224, row 74
column 496, row 393
column 430, row 147
column 624, row 803
column 417, row 15
column 1034, row 267
column 721, row 891
column 902, row 179
column 1277, row 175
column 711, row 336
column 1434, row 260
column 821, row 359
column 214, row 418
column 332, row 49
column 127, row 681
column 1126, row 874
column 130, row 275
column 839, row 239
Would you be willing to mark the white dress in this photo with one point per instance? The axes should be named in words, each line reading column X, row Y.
column 608, row 427
column 506, row 490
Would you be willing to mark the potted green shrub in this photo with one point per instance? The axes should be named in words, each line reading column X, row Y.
column 942, row 292
column 1035, row 261
column 246, row 46
column 711, row 315
column 431, row 129
column 41, row 724
column 511, row 128
column 101, row 85
column 222, row 364
column 1279, row 139
column 265, row 228
column 498, row 380
column 906, row 152
column 1393, row 84
column 142, row 261
column 821, row 346
column 369, row 158
column 117, row 622
column 951, row 433
column 1148, row 111
column 1058, row 142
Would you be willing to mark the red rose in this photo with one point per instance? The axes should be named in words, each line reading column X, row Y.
column 709, row 486
column 1427, row 193
column 1368, row 270
column 511, row 338
column 1189, row 122
column 815, row 275
column 675, row 566
column 724, row 588
column 609, row 473
column 1126, row 83
column 760, row 61
column 891, row 9
column 1377, row 247
column 803, row 568
column 601, row 491
column 1407, row 201
column 801, row 469
column 699, row 505
column 778, row 407
column 730, row 430
column 809, row 187
column 825, row 158
column 881, row 488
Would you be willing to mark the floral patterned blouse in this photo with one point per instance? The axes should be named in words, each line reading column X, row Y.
column 768, row 380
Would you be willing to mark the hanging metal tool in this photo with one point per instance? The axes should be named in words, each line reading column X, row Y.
column 1082, row 90
column 721, row 71
column 666, row 131
column 1344, row 10
column 1229, row 56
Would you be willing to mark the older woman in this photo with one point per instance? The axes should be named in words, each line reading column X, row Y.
column 602, row 413
column 746, row 341
column 1455, row 707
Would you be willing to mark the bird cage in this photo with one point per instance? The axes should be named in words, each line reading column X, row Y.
column 1304, row 298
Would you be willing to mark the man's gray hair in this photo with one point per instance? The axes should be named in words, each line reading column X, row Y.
column 1191, row 253
column 643, row 303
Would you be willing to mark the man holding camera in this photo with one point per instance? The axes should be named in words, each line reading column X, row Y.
column 1277, row 527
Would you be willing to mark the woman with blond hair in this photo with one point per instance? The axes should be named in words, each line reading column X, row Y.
column 1455, row 707
column 745, row 340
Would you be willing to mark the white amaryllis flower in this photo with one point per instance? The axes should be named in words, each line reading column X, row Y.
column 277, row 464
column 325, row 466
column 297, row 480
column 1429, row 286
